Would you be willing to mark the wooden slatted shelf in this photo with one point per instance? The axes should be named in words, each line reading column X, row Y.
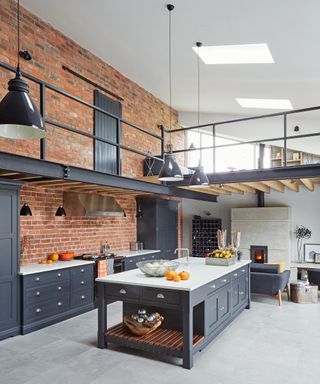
column 160, row 341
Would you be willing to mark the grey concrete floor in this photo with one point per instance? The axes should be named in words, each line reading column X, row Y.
column 265, row 345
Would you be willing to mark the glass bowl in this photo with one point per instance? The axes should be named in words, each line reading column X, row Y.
column 157, row 268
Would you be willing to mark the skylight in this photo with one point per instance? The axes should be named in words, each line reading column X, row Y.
column 265, row 103
column 235, row 54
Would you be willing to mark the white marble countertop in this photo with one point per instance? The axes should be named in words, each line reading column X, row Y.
column 137, row 253
column 200, row 274
column 305, row 265
column 29, row 269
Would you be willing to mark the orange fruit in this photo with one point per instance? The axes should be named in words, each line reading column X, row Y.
column 49, row 261
column 42, row 261
column 184, row 275
column 170, row 275
column 177, row 278
column 54, row 256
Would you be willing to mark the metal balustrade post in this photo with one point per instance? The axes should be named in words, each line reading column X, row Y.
column 285, row 140
column 43, row 114
column 214, row 148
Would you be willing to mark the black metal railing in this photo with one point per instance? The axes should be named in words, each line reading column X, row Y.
column 44, row 86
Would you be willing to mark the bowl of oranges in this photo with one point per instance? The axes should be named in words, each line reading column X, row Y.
column 157, row 268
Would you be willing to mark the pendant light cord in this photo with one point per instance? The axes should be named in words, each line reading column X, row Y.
column 170, row 80
column 198, row 62
column 18, row 35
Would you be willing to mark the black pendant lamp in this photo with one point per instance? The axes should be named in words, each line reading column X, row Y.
column 61, row 211
column 19, row 116
column 170, row 170
column 199, row 179
column 25, row 210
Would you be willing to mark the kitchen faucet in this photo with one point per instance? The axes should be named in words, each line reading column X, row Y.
column 183, row 249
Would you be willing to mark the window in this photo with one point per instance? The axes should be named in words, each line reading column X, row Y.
column 226, row 158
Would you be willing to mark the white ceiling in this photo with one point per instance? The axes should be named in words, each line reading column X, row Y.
column 132, row 36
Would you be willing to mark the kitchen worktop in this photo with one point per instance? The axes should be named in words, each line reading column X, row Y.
column 137, row 253
column 37, row 268
column 200, row 274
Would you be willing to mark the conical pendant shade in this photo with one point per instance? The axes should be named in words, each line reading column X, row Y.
column 170, row 170
column 61, row 211
column 25, row 210
column 199, row 179
column 19, row 116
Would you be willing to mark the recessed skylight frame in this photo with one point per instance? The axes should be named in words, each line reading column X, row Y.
column 284, row 104
column 235, row 54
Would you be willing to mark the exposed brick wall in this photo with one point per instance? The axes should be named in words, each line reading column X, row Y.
column 50, row 50
column 43, row 232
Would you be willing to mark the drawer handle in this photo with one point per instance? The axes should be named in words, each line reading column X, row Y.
column 224, row 280
column 130, row 261
column 241, row 293
column 243, row 270
column 81, row 270
column 221, row 308
column 235, row 274
column 59, row 288
column 38, row 293
column 59, row 304
column 143, row 258
column 59, row 275
column 160, row 296
column 82, row 282
column 213, row 286
column 38, row 310
column 122, row 291
column 37, row 278
column 83, row 297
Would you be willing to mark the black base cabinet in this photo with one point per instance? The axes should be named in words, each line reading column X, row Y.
column 9, row 259
column 130, row 262
column 49, row 297
column 192, row 318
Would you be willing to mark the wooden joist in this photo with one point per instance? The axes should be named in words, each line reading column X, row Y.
column 242, row 187
column 308, row 183
column 293, row 185
column 259, row 186
column 274, row 184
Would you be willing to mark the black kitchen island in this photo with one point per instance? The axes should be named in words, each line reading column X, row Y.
column 195, row 311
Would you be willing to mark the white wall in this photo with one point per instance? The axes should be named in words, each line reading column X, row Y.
column 305, row 210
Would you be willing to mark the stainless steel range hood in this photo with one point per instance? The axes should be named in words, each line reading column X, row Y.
column 85, row 204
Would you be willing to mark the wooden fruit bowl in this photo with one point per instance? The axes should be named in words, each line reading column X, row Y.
column 140, row 329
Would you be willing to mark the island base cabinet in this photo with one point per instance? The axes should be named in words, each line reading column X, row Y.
column 192, row 318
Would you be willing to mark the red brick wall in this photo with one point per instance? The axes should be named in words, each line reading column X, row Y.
column 44, row 233
column 50, row 50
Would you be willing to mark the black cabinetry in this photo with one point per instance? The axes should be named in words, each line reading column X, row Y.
column 204, row 236
column 49, row 297
column 9, row 260
column 130, row 262
column 158, row 228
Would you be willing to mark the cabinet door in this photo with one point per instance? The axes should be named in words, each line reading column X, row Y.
column 235, row 294
column 224, row 303
column 8, row 260
column 211, row 313
column 243, row 288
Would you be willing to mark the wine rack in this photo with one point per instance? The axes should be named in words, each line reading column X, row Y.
column 204, row 236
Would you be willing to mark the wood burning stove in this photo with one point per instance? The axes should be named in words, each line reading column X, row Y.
column 259, row 253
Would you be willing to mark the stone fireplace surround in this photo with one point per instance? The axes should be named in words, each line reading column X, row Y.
column 270, row 226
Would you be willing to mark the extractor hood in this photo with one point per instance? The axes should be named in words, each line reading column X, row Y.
column 85, row 204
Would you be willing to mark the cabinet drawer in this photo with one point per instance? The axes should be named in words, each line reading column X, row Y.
column 80, row 298
column 123, row 291
column 47, row 292
column 35, row 311
column 160, row 295
column 218, row 283
column 239, row 272
column 37, row 279
column 82, row 272
column 80, row 282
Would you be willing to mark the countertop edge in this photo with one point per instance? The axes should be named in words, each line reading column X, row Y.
column 40, row 268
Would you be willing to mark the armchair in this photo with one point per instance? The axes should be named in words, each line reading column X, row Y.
column 267, row 279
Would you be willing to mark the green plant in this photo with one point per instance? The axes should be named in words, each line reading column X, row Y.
column 302, row 233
